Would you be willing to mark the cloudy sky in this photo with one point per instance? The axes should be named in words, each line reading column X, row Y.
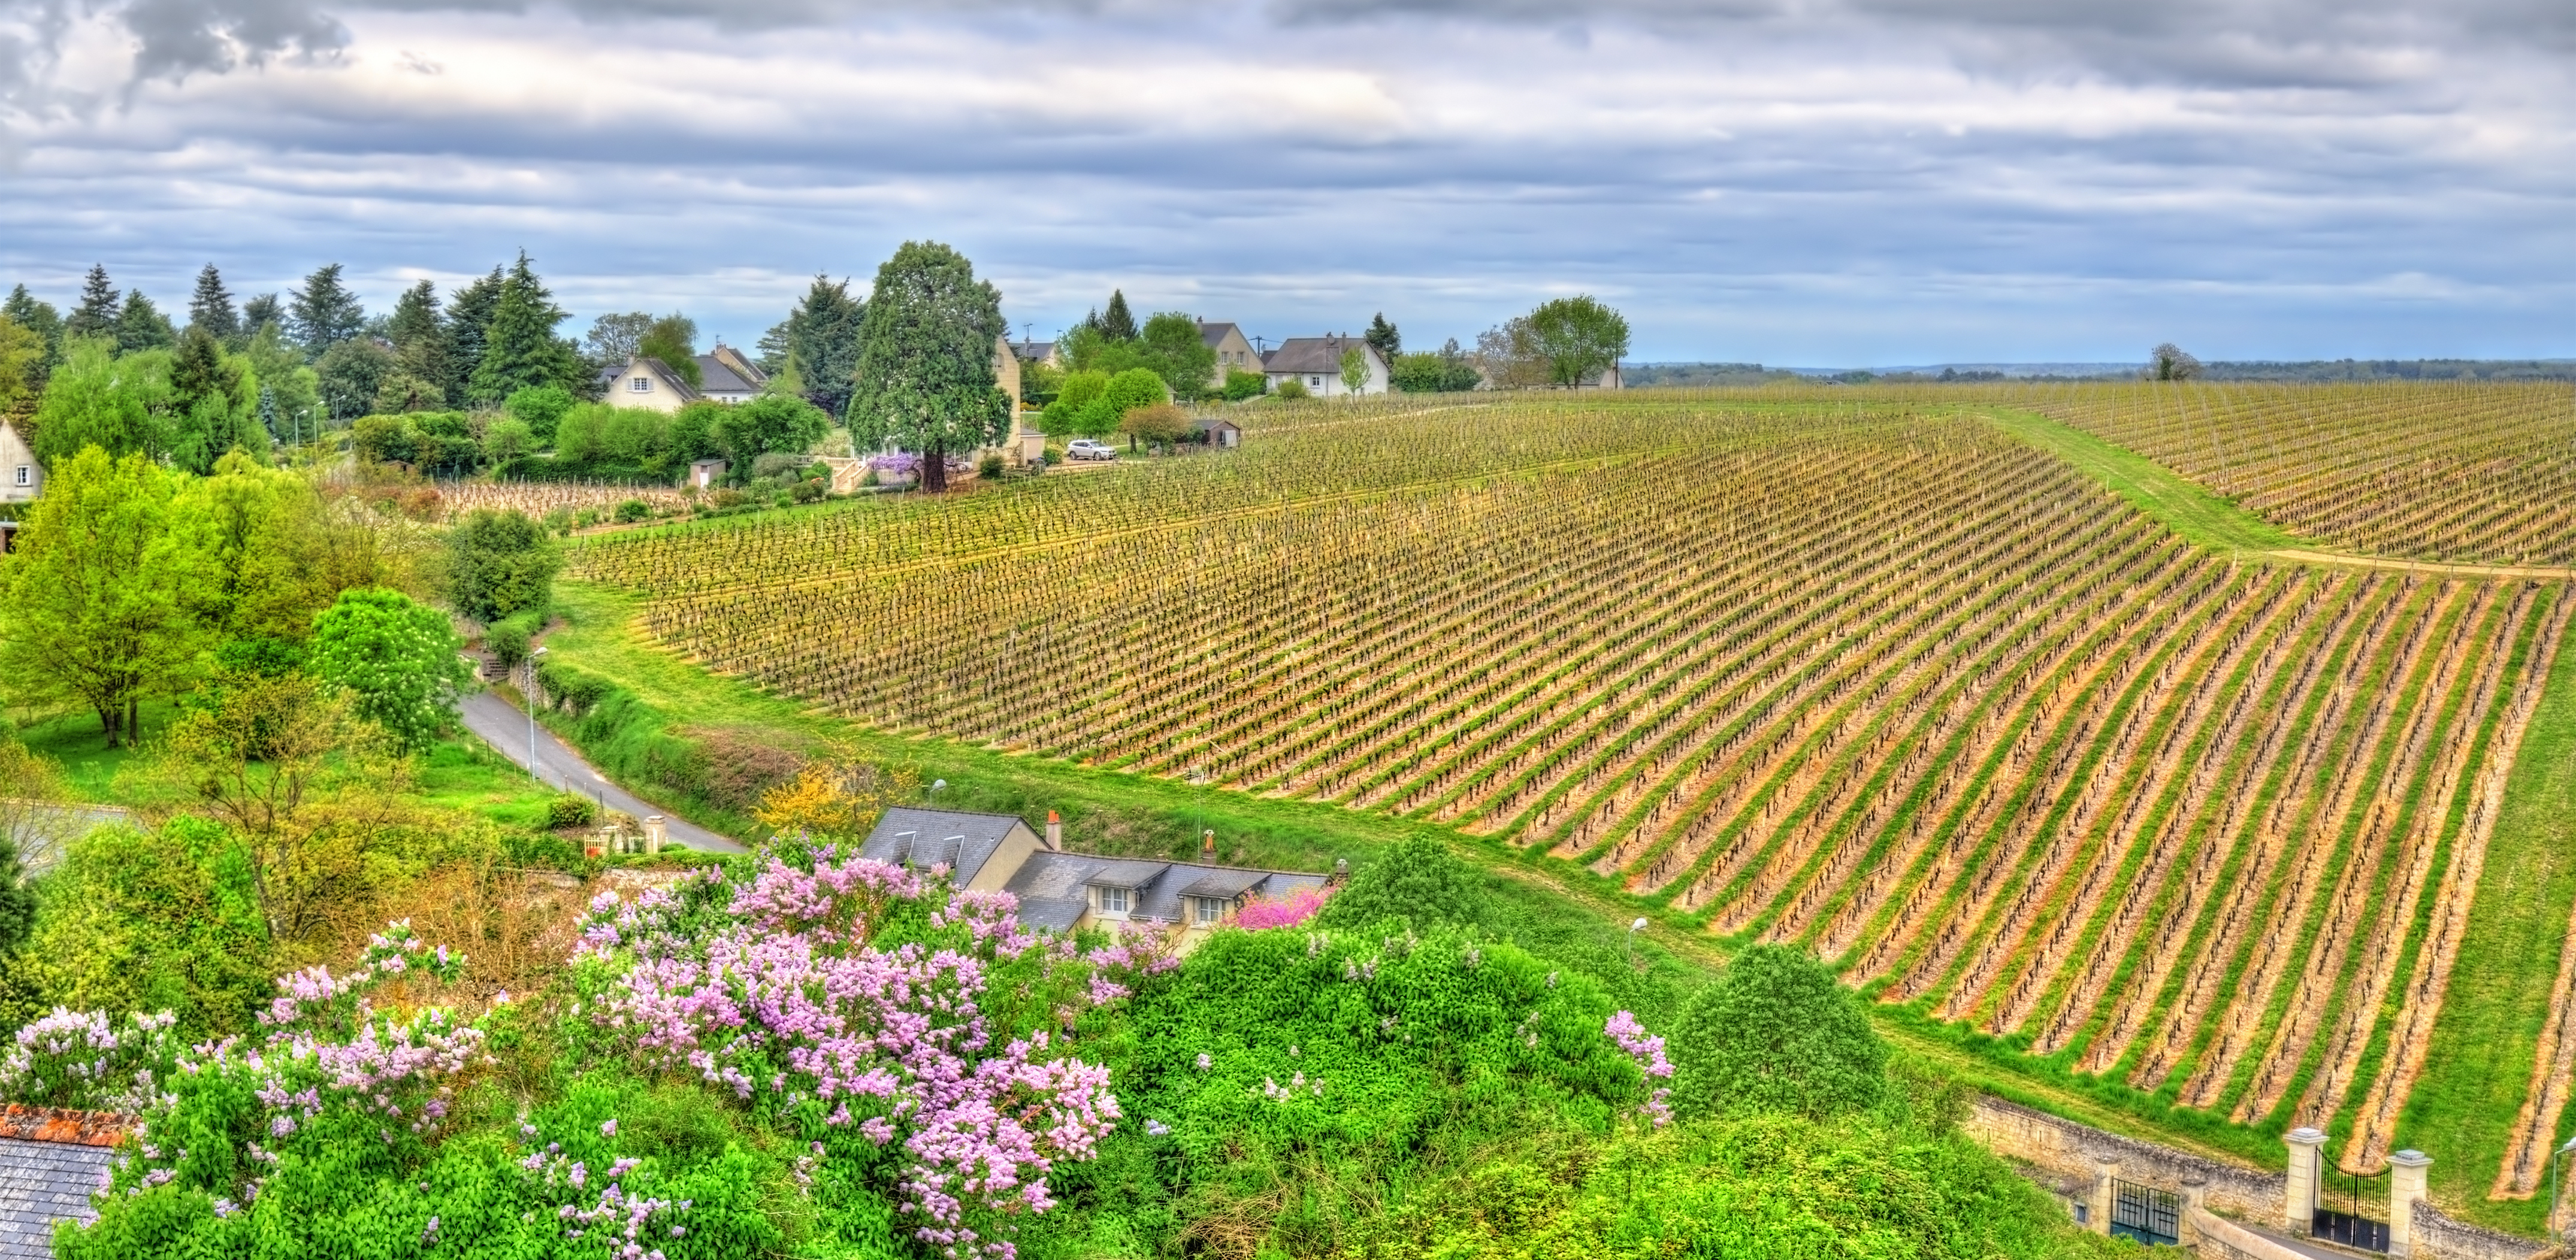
column 1814, row 182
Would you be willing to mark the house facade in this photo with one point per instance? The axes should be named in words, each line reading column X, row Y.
column 1062, row 891
column 729, row 376
column 1234, row 352
column 649, row 384
column 1316, row 363
column 22, row 475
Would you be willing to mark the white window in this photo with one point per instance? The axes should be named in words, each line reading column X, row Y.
column 1210, row 909
column 1315, row 381
column 26, row 475
column 640, row 385
column 1113, row 901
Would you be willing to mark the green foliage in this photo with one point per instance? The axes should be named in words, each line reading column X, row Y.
column 1776, row 1032
column 571, row 810
column 1292, row 390
column 97, row 399
column 141, row 326
column 1065, row 416
column 1117, row 323
column 1749, row 1188
column 291, row 393
column 39, row 317
column 925, row 373
column 818, row 345
column 1355, row 369
column 439, row 443
column 541, row 408
column 1176, row 352
column 770, row 423
column 164, row 920
column 1241, row 384
column 508, row 643
column 97, row 599
column 520, row 349
column 418, row 330
column 595, row 440
column 469, row 331
column 95, row 314
column 500, row 564
column 211, row 310
column 216, row 402
column 1446, row 370
column 506, row 439
column 1133, row 388
column 673, row 339
column 324, row 313
column 1383, row 335
column 397, row 657
column 350, row 374
column 1418, row 883
column 1578, row 337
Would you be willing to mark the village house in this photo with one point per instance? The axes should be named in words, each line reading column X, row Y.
column 22, row 478
column 1036, row 352
column 1234, row 352
column 1316, row 363
column 729, row 376
column 1063, row 891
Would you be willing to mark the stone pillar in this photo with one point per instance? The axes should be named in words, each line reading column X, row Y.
column 2195, row 1198
column 653, row 829
column 2307, row 1177
column 2405, row 1186
column 2105, row 1168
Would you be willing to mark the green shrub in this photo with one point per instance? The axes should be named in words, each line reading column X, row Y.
column 569, row 810
column 990, row 469
column 1240, row 384
column 397, row 657
column 1419, row 882
column 500, row 564
column 1778, row 1033
column 634, row 510
column 1291, row 390
column 508, row 643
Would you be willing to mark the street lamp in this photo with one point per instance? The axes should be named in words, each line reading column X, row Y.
column 528, row 700
column 2554, row 1158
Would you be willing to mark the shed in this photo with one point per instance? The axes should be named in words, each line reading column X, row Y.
column 704, row 473
column 51, row 1162
column 1218, row 432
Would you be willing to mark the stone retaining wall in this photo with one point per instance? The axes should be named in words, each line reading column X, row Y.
column 2440, row 1236
column 2067, row 1148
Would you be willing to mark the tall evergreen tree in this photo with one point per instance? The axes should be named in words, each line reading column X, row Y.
column 39, row 318
column 96, row 314
column 1118, row 321
column 820, row 341
column 925, row 375
column 419, row 333
column 211, row 308
column 324, row 313
column 260, row 312
column 469, row 329
column 140, row 325
column 215, row 407
column 521, row 350
column 1383, row 335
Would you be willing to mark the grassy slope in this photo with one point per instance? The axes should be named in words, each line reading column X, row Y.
column 2185, row 507
column 2480, row 1066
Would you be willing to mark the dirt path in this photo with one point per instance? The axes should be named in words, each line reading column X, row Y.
column 2538, row 573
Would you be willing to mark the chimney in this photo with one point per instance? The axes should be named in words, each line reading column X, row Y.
column 1207, row 845
column 1055, row 833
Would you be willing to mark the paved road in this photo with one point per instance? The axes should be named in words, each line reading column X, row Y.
column 503, row 726
column 41, row 831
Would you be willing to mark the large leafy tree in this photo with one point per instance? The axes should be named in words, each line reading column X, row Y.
column 214, row 404
column 1775, row 1032
column 95, row 315
column 324, row 312
column 767, row 424
column 290, row 400
column 1174, row 351
column 211, row 308
column 350, row 375
column 500, row 564
column 1578, row 337
column 141, row 326
column 22, row 367
column 96, row 600
column 613, row 338
column 38, row 317
column 2169, row 362
column 925, row 374
column 97, row 399
column 817, row 346
column 521, row 350
column 1418, row 881
column 469, row 330
column 395, row 658
column 673, row 339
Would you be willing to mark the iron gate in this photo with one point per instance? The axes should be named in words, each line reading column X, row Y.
column 2144, row 1213
column 2350, row 1230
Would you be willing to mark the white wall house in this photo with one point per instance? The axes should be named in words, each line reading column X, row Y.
column 22, row 477
column 1316, row 363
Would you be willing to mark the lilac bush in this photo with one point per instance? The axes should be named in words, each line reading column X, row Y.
column 1290, row 910
column 1648, row 1051
column 862, row 1000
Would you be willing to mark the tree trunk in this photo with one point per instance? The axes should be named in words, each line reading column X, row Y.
column 934, row 470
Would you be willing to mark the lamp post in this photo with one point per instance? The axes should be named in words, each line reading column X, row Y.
column 2554, row 1158
column 529, row 700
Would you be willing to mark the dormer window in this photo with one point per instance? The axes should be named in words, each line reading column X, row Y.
column 1113, row 901
column 1208, row 910
column 639, row 385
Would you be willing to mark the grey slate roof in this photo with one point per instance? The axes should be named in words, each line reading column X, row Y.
column 1318, row 355
column 718, row 377
column 41, row 1183
column 928, row 837
column 1052, row 887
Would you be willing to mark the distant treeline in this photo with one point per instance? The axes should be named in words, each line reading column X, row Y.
column 1648, row 375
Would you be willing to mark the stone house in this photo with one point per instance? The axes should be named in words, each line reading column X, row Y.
column 1234, row 352
column 22, row 475
column 1316, row 363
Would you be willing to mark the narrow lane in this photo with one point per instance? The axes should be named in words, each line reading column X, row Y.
column 505, row 727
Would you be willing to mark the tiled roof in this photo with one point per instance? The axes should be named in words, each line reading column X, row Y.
column 1214, row 333
column 51, row 1162
column 1052, row 887
column 929, row 837
column 670, row 378
column 718, row 377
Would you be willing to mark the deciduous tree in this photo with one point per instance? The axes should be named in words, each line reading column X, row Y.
column 350, row 375
column 2169, row 362
column 1355, row 370
column 1579, row 338
column 97, row 599
column 397, row 660
column 612, row 339
column 22, row 367
column 925, row 376
column 500, row 564
column 673, row 339
column 96, row 399
column 1176, row 352
column 771, row 423
column 39, row 318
